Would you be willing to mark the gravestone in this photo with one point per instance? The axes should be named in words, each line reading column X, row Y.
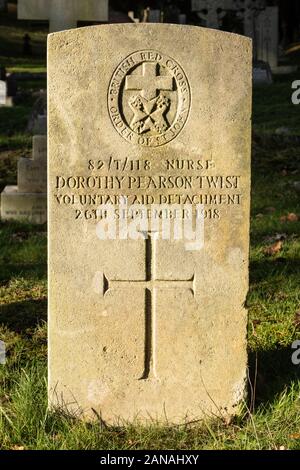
column 32, row 173
column 267, row 40
column 146, row 322
column 213, row 11
column 39, row 110
column 3, row 93
column 248, row 10
column 28, row 200
column 63, row 14
column 267, row 36
column 182, row 18
column 132, row 16
column 154, row 16
column 5, row 99
column 262, row 74
column 210, row 11
column 40, row 125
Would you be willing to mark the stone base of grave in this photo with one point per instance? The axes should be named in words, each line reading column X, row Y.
column 9, row 102
column 30, row 207
column 262, row 74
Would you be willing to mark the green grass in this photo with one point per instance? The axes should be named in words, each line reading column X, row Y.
column 11, row 45
column 27, row 424
column 270, row 419
column 274, row 108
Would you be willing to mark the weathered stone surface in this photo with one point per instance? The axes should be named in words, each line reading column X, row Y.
column 32, row 172
column 148, row 328
column 63, row 14
column 28, row 200
column 15, row 205
column 40, row 125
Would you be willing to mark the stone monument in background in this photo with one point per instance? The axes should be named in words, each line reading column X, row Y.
column 28, row 200
column 63, row 14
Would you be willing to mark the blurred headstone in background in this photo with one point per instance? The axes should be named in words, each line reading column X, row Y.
column 28, row 200
column 154, row 16
column 6, row 96
column 63, row 14
column 133, row 17
column 3, row 92
column 262, row 74
column 3, row 5
column 39, row 109
column 40, row 125
column 182, row 18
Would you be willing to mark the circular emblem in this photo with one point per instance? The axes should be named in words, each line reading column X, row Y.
column 149, row 98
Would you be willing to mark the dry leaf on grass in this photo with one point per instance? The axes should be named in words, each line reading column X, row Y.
column 291, row 217
column 270, row 209
column 273, row 249
column 20, row 236
column 18, row 448
column 297, row 320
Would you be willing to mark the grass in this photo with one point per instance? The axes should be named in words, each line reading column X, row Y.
column 270, row 419
column 274, row 109
column 11, row 44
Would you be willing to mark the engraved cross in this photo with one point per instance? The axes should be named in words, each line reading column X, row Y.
column 151, row 284
column 149, row 83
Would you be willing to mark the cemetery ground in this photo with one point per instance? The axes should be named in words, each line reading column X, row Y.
column 270, row 417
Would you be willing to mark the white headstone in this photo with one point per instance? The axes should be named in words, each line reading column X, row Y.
column 133, row 17
column 3, row 92
column 267, row 36
column 63, row 14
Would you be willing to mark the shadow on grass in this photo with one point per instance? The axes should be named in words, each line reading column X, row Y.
column 270, row 372
column 21, row 316
column 27, row 271
column 266, row 269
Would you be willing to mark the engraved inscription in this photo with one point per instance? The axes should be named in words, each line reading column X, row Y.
column 143, row 183
column 149, row 98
